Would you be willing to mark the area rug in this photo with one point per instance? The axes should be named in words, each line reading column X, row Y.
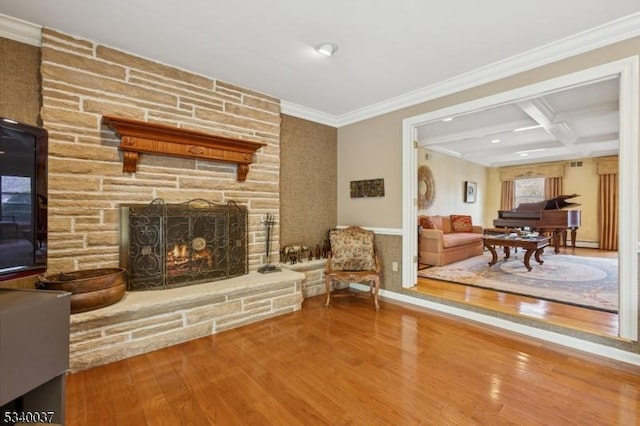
column 577, row 280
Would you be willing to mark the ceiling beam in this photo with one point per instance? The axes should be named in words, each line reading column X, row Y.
column 478, row 132
column 540, row 111
column 593, row 111
column 509, row 150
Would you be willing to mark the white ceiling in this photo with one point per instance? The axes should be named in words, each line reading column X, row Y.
column 573, row 123
column 391, row 53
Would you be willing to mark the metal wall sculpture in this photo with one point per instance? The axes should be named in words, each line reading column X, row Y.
column 367, row 188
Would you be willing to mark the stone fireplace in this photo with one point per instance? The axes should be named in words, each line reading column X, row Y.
column 171, row 245
column 93, row 172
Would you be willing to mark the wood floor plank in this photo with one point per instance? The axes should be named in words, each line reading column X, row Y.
column 351, row 365
column 75, row 399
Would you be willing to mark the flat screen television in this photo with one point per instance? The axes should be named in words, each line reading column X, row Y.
column 23, row 199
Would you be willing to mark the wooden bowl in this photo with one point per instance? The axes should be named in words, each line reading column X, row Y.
column 90, row 289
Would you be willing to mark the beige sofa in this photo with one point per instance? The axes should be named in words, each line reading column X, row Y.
column 447, row 239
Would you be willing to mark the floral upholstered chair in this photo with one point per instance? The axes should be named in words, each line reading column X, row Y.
column 353, row 260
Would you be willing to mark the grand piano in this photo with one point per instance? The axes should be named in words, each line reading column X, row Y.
column 544, row 216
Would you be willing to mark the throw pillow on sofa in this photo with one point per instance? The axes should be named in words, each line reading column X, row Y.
column 437, row 222
column 427, row 223
column 461, row 223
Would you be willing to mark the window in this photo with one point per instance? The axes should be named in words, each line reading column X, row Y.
column 529, row 190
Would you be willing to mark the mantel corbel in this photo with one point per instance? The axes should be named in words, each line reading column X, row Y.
column 151, row 138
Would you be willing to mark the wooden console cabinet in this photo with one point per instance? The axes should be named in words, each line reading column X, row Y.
column 34, row 354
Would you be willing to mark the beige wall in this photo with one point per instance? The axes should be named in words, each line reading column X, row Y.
column 492, row 198
column 308, row 181
column 450, row 175
column 370, row 150
column 584, row 181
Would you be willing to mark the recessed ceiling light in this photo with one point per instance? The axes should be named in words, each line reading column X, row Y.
column 326, row 49
column 522, row 129
column 495, row 141
column 527, row 151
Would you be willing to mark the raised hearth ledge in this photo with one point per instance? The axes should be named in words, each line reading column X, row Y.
column 313, row 283
column 144, row 321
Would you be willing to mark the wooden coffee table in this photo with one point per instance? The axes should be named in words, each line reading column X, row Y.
column 530, row 245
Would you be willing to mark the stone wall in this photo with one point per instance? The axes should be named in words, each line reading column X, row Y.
column 81, row 81
column 313, row 281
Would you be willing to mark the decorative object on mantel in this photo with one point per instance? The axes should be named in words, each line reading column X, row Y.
column 294, row 253
column 470, row 192
column 143, row 137
column 90, row 289
column 367, row 188
column 326, row 247
column 426, row 188
column 269, row 222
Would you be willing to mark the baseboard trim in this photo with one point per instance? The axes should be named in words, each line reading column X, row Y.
column 381, row 231
column 588, row 244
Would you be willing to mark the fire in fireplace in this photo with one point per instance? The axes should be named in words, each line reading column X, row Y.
column 171, row 245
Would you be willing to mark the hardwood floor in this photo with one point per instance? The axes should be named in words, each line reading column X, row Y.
column 352, row 365
column 587, row 320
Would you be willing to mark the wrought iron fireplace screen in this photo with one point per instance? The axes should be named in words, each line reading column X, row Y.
column 171, row 245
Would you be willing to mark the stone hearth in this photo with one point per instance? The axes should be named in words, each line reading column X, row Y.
column 145, row 321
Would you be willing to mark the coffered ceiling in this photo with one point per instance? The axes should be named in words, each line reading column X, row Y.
column 390, row 54
column 573, row 123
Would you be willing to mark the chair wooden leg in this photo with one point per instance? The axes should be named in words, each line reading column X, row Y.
column 376, row 282
column 327, row 285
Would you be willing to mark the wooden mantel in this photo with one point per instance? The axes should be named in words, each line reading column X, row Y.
column 141, row 137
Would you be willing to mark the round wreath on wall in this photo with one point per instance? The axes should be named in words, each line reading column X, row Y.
column 426, row 188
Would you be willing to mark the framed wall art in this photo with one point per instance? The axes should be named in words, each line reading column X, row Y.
column 470, row 192
column 367, row 188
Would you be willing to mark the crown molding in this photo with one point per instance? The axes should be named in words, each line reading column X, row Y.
column 585, row 41
column 310, row 114
column 19, row 30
